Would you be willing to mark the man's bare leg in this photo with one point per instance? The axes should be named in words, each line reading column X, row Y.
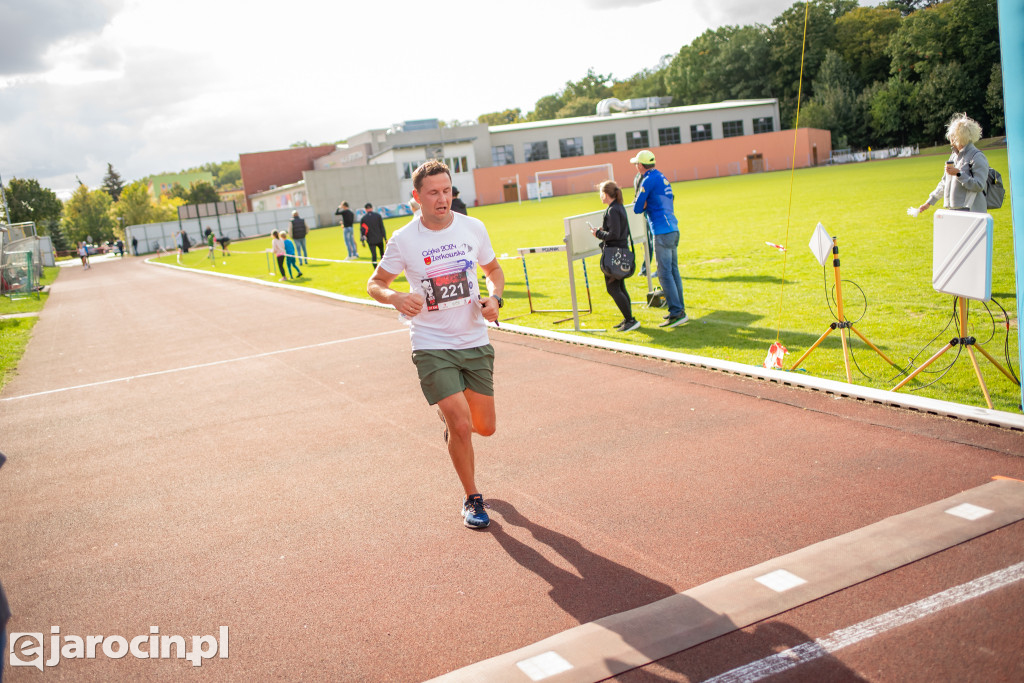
column 465, row 413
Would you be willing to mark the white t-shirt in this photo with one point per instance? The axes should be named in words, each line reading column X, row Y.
column 441, row 265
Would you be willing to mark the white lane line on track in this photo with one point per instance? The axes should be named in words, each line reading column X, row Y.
column 837, row 640
column 206, row 365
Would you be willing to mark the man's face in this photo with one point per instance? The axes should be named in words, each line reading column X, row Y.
column 435, row 195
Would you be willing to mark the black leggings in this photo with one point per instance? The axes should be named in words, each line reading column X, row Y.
column 280, row 264
column 617, row 291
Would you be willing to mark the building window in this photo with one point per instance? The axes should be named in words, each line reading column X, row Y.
column 637, row 139
column 764, row 125
column 535, row 151
column 669, row 136
column 605, row 143
column 732, row 129
column 570, row 147
column 700, row 131
column 502, row 155
column 457, row 164
column 407, row 169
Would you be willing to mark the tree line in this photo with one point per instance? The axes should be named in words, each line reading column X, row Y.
column 100, row 215
column 873, row 76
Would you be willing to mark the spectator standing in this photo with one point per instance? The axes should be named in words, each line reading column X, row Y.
column 299, row 236
column 277, row 245
column 135, row 245
column 210, row 242
column 614, row 232
column 289, row 250
column 347, row 219
column 655, row 200
column 963, row 181
column 373, row 233
column 458, row 206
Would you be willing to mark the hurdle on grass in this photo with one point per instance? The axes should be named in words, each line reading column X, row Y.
column 523, row 251
column 579, row 244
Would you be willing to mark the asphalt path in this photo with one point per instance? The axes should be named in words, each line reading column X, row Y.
column 187, row 452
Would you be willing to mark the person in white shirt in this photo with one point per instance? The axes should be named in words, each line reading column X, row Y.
column 439, row 252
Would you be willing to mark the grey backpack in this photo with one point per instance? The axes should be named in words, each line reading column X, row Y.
column 994, row 189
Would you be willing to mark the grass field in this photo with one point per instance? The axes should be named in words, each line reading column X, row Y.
column 741, row 294
column 16, row 332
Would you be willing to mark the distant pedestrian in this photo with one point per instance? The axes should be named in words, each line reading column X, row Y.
column 458, row 206
column 299, row 237
column 277, row 245
column 83, row 253
column 210, row 242
column 347, row 219
column 289, row 250
column 120, row 248
column 373, row 233
column 135, row 245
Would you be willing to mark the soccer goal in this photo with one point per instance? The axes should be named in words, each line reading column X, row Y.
column 566, row 181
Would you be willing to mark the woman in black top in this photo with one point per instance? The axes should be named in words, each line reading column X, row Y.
column 614, row 232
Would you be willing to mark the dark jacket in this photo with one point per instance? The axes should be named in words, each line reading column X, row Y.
column 614, row 230
column 298, row 228
column 347, row 217
column 372, row 227
column 459, row 206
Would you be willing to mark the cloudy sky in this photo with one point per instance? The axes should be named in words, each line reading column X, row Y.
column 155, row 87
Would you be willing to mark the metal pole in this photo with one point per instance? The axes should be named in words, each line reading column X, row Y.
column 1011, row 24
column 3, row 193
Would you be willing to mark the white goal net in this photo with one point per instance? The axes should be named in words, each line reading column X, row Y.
column 567, row 181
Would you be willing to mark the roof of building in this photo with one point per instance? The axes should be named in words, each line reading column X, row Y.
column 728, row 104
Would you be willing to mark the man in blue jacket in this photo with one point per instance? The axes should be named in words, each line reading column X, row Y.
column 654, row 199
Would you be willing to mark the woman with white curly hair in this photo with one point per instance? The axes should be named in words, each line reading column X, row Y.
column 962, row 187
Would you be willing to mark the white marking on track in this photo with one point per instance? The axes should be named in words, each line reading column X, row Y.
column 968, row 511
column 837, row 640
column 780, row 580
column 204, row 365
column 544, row 665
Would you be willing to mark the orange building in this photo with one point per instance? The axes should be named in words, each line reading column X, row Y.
column 688, row 161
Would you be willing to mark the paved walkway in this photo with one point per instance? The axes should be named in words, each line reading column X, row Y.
column 187, row 453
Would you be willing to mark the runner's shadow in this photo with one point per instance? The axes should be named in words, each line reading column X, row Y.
column 600, row 588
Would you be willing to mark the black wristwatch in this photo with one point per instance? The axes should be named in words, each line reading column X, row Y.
column 501, row 302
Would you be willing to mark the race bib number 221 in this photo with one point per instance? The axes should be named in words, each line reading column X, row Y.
column 447, row 291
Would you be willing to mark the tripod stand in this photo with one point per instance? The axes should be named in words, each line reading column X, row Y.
column 841, row 323
column 970, row 343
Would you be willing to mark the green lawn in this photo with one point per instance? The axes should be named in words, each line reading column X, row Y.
column 741, row 294
column 15, row 332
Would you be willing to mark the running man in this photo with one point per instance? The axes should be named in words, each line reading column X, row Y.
column 439, row 251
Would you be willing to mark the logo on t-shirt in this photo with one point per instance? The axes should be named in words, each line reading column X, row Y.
column 427, row 260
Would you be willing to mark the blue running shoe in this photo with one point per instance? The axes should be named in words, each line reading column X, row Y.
column 473, row 514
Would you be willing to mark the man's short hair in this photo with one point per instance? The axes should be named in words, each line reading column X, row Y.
column 368, row 206
column 426, row 169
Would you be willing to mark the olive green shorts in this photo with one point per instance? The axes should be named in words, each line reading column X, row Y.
column 444, row 372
